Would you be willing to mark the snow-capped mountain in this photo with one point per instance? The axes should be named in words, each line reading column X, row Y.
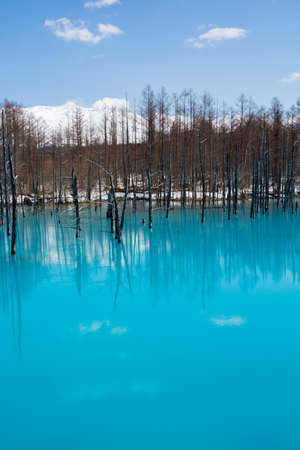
column 54, row 117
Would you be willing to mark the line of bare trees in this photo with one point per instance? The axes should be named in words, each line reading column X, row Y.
column 184, row 147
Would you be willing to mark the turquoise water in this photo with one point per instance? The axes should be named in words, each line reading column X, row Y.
column 183, row 338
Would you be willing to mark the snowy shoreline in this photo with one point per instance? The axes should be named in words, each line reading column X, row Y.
column 67, row 198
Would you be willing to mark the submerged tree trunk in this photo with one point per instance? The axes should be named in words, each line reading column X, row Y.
column 116, row 210
column 150, row 197
column 134, row 192
column 14, row 202
column 133, row 186
column 76, row 203
column 124, row 207
column 109, row 212
column 170, row 185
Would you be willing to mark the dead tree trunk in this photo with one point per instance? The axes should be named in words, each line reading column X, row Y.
column 267, row 175
column 133, row 186
column 5, row 174
column 14, row 202
column 183, row 195
column 229, row 186
column 292, row 186
column 252, row 211
column 236, row 175
column 76, row 203
column 202, row 168
column 99, row 187
column 109, row 212
column 150, row 197
column 89, row 186
column 170, row 184
column 1, row 198
column 124, row 207
column 280, row 167
column 223, row 178
column 116, row 210
column 21, row 198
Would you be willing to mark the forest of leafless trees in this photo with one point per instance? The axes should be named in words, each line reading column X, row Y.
column 185, row 147
column 190, row 138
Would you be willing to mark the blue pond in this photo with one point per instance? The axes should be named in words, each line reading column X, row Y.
column 185, row 337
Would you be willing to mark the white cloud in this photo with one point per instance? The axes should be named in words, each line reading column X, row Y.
column 101, row 4
column 107, row 30
column 220, row 34
column 93, row 328
column 119, row 330
column 216, row 35
column 65, row 29
column 295, row 76
column 234, row 321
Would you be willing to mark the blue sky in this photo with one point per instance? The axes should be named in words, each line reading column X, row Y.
column 244, row 47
